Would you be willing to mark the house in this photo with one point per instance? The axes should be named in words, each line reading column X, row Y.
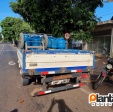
column 102, row 37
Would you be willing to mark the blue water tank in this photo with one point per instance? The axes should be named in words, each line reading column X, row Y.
column 61, row 42
column 49, row 42
column 54, row 43
column 36, row 40
column 27, row 39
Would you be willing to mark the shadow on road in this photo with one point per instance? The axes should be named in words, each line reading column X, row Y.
column 61, row 106
column 15, row 110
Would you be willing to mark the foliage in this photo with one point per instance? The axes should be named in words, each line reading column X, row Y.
column 11, row 28
column 26, row 28
column 0, row 36
column 59, row 16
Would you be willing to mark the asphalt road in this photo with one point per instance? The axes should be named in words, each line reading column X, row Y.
column 16, row 98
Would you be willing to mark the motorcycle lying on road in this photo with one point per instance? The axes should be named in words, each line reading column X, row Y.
column 107, row 72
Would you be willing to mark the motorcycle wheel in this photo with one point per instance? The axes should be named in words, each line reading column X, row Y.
column 98, row 82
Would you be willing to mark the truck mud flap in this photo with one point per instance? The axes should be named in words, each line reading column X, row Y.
column 57, row 89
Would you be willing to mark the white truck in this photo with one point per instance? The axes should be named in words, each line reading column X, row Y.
column 55, row 69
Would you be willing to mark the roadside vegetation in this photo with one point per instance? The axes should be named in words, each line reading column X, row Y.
column 11, row 28
column 1, row 39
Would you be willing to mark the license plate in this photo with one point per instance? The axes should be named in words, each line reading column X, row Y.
column 62, row 77
column 64, row 81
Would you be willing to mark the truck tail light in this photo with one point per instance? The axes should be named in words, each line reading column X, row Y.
column 79, row 71
column 81, row 84
column 44, row 73
column 47, row 72
column 83, row 76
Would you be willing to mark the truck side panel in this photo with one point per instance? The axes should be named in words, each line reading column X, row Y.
column 22, row 57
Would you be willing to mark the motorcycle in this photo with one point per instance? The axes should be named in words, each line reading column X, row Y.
column 107, row 72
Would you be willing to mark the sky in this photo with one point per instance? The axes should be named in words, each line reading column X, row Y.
column 106, row 12
column 5, row 10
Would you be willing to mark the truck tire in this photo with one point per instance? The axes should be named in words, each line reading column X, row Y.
column 98, row 82
column 21, row 39
column 45, row 41
column 24, row 81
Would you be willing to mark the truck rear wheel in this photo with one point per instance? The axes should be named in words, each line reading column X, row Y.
column 24, row 81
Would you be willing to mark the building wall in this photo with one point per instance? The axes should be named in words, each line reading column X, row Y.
column 99, row 42
column 101, row 39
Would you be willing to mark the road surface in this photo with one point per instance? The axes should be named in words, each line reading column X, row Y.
column 16, row 98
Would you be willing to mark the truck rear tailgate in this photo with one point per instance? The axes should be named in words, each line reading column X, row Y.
column 34, row 61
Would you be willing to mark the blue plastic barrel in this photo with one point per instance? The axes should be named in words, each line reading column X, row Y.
column 40, row 36
column 54, row 43
column 61, row 43
column 49, row 42
column 36, row 40
column 27, row 39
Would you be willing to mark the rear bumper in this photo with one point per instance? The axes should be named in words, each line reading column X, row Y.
column 53, row 90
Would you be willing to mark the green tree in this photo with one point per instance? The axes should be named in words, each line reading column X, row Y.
column 11, row 28
column 59, row 16
column 0, row 36
column 26, row 27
